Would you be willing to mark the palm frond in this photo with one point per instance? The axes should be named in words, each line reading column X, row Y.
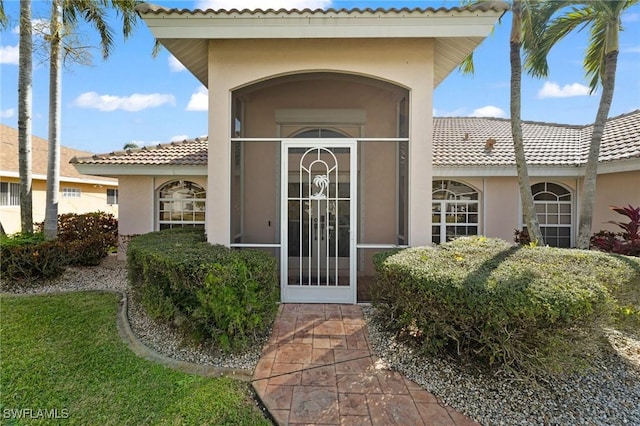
column 596, row 51
column 466, row 66
column 4, row 21
column 536, row 59
column 96, row 16
column 125, row 9
column 157, row 47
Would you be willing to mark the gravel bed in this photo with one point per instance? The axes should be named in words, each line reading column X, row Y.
column 111, row 274
column 607, row 394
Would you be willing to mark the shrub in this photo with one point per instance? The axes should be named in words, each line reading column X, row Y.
column 208, row 291
column 626, row 242
column 83, row 239
column 29, row 257
column 487, row 301
column 88, row 237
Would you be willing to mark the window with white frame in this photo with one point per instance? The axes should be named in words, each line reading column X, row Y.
column 112, row 196
column 71, row 192
column 9, row 194
column 181, row 204
column 553, row 205
column 455, row 211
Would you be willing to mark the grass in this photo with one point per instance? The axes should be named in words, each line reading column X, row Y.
column 63, row 352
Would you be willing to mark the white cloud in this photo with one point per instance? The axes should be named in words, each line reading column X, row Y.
column 635, row 49
column 199, row 100
column 455, row 113
column 39, row 27
column 174, row 64
column 263, row 4
column 135, row 102
column 630, row 17
column 7, row 113
column 9, row 55
column 553, row 90
column 179, row 138
column 488, row 111
column 148, row 143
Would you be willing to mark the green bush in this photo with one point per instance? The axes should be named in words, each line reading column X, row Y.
column 29, row 257
column 485, row 300
column 208, row 291
column 83, row 239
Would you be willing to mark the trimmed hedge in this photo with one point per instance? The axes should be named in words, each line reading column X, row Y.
column 488, row 301
column 207, row 291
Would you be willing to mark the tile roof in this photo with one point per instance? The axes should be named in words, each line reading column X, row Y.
column 496, row 6
column 457, row 142
column 462, row 141
column 39, row 157
column 191, row 152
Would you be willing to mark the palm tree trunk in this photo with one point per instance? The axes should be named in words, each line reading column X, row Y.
column 531, row 219
column 25, row 77
column 55, row 83
column 591, row 173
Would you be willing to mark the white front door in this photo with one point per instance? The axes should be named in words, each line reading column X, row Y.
column 318, row 221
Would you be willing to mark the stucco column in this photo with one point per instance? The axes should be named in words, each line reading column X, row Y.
column 421, row 154
column 219, row 165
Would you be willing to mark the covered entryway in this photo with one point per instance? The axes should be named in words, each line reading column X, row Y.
column 318, row 226
column 368, row 73
column 319, row 179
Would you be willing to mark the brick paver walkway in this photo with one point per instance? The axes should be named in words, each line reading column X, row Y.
column 318, row 368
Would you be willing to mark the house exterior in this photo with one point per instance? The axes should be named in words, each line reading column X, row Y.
column 78, row 193
column 323, row 151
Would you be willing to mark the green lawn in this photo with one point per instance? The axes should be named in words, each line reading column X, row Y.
column 63, row 353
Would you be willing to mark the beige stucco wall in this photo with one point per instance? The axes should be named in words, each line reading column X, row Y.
column 234, row 64
column 137, row 198
column 615, row 189
column 502, row 209
column 501, row 198
column 93, row 198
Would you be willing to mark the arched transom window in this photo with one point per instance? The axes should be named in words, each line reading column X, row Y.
column 181, row 204
column 553, row 206
column 455, row 210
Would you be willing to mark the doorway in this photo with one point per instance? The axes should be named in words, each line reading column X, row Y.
column 318, row 220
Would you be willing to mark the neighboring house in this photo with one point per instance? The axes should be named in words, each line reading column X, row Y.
column 78, row 193
column 323, row 151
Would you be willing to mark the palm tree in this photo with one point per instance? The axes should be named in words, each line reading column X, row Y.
column 528, row 18
column 65, row 15
column 600, row 63
column 522, row 26
column 25, row 77
column 130, row 145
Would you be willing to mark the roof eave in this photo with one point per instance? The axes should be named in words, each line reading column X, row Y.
column 185, row 34
column 112, row 170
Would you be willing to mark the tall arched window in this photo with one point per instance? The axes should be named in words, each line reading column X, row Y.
column 455, row 210
column 181, row 204
column 554, row 209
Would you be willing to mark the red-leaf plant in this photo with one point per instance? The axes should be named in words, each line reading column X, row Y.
column 626, row 242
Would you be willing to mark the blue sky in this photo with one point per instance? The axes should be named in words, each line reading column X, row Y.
column 133, row 97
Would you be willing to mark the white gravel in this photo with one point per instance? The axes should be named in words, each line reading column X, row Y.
column 607, row 394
